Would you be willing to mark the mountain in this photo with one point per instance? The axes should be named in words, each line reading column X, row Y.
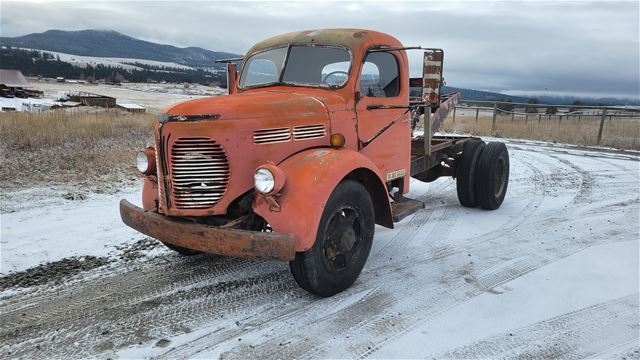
column 107, row 43
column 469, row 94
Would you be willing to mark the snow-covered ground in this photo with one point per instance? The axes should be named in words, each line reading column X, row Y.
column 39, row 232
column 553, row 273
column 154, row 97
column 123, row 63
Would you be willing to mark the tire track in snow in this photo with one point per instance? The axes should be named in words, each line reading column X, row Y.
column 157, row 317
column 575, row 335
column 375, row 329
column 84, row 300
column 415, row 224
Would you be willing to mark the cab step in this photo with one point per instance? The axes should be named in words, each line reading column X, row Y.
column 403, row 207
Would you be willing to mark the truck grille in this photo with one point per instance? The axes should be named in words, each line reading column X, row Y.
column 200, row 172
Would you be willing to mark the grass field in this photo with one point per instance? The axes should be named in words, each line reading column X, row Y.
column 617, row 132
column 57, row 147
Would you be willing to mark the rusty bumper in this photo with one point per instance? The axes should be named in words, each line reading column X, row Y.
column 209, row 239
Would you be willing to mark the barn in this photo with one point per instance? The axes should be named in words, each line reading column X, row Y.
column 14, row 85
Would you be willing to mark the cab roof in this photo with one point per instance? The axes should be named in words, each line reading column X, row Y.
column 354, row 39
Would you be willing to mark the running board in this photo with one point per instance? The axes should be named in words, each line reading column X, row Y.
column 403, row 207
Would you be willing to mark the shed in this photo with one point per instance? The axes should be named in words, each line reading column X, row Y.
column 13, row 84
column 12, row 78
column 132, row 108
column 89, row 99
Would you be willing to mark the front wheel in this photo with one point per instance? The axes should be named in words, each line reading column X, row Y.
column 342, row 245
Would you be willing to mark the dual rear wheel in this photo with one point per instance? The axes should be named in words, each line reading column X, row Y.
column 482, row 174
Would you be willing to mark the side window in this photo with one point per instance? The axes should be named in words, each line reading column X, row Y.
column 380, row 77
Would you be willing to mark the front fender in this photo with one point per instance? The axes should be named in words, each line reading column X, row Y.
column 311, row 176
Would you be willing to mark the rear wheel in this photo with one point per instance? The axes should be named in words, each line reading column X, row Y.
column 181, row 250
column 466, row 172
column 342, row 245
column 492, row 175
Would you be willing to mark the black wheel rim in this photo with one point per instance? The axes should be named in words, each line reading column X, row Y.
column 342, row 238
column 499, row 177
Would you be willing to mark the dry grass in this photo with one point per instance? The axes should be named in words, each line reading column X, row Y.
column 619, row 132
column 58, row 147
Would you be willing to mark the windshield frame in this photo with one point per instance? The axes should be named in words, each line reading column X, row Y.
column 284, row 66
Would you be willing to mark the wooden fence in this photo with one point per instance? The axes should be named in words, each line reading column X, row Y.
column 582, row 125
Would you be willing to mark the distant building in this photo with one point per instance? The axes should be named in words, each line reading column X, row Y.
column 132, row 108
column 13, row 84
column 89, row 99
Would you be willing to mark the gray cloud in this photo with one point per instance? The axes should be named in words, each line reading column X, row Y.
column 524, row 47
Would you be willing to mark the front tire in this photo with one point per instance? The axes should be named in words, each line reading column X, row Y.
column 342, row 245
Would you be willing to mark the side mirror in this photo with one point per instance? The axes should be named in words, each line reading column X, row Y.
column 232, row 78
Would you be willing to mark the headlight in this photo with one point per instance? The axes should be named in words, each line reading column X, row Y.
column 146, row 161
column 264, row 181
column 268, row 179
column 142, row 162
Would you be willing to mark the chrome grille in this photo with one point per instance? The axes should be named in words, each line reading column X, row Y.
column 303, row 132
column 200, row 172
column 270, row 136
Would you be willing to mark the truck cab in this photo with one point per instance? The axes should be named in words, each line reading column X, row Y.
column 312, row 147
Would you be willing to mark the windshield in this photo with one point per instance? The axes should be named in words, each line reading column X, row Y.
column 304, row 65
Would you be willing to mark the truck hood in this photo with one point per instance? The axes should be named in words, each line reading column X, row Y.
column 253, row 105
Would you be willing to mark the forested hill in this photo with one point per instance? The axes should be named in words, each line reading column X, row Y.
column 107, row 43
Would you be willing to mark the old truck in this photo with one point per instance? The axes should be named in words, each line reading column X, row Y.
column 314, row 145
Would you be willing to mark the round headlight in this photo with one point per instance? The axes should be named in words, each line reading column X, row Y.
column 142, row 162
column 264, row 180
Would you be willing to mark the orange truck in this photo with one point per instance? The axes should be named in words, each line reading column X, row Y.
column 314, row 145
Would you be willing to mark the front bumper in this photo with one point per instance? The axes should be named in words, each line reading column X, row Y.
column 209, row 239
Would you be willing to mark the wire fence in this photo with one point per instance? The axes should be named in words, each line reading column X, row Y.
column 617, row 127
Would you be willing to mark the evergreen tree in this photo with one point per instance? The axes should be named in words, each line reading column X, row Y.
column 532, row 109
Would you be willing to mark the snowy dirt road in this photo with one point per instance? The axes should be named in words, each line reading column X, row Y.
column 553, row 273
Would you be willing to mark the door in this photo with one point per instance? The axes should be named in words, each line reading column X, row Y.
column 385, row 133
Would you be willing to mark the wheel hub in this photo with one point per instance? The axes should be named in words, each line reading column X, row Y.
column 342, row 237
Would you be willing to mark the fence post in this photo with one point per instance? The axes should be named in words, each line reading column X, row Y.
column 454, row 114
column 495, row 113
column 526, row 119
column 539, row 118
column 477, row 111
column 604, row 114
column 513, row 115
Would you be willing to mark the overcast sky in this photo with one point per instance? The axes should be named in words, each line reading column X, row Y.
column 532, row 47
